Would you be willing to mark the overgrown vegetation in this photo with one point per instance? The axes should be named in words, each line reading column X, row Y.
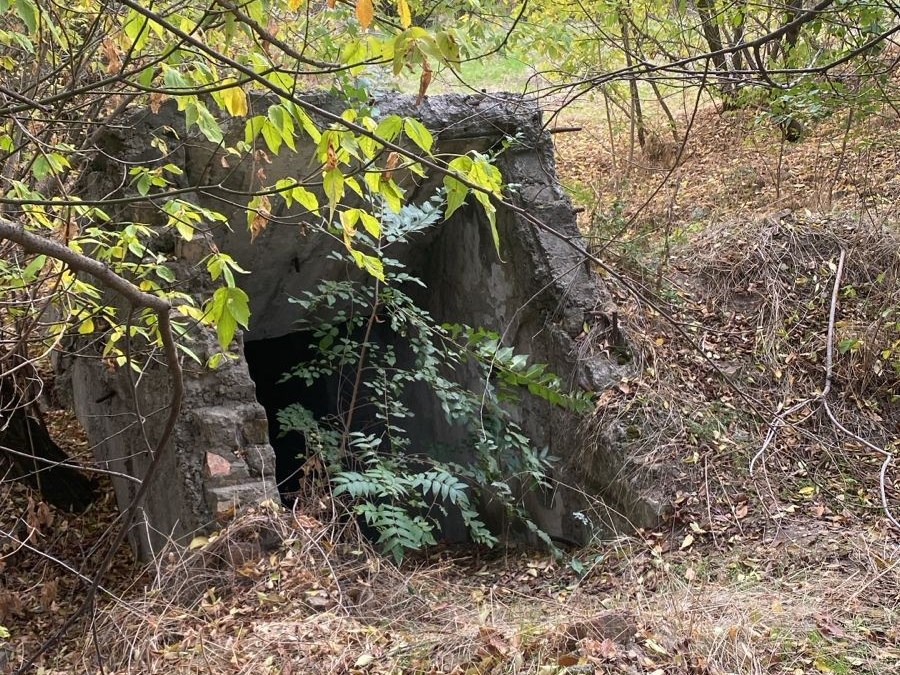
column 401, row 490
column 713, row 116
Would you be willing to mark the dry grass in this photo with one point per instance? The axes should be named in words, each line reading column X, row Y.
column 802, row 600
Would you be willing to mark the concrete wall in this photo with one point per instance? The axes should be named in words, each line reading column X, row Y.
column 541, row 296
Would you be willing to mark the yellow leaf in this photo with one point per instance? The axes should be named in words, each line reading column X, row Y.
column 198, row 542
column 295, row 4
column 365, row 12
column 235, row 101
column 363, row 660
column 405, row 14
column 86, row 326
column 655, row 646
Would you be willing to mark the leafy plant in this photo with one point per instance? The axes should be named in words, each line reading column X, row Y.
column 394, row 484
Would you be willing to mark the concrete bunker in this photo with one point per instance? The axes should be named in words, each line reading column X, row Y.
column 542, row 296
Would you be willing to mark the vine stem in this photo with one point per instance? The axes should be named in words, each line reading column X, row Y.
column 360, row 367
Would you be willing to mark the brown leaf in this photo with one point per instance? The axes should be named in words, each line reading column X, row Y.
column 424, row 81
column 331, row 161
column 260, row 218
column 607, row 649
column 49, row 592
column 156, row 100
column 365, row 12
column 111, row 52
column 10, row 605
column 393, row 159
column 495, row 640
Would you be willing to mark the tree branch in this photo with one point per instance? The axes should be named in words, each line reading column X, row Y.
column 34, row 243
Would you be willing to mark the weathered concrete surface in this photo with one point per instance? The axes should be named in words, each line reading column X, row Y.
column 222, row 455
column 542, row 297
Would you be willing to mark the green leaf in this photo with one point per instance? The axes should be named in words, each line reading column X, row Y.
column 305, row 121
column 229, row 308
column 349, row 218
column 184, row 229
column 393, row 195
column 333, row 183
column 253, row 127
column 28, row 12
column 371, row 224
column 371, row 264
column 271, row 136
column 389, row 127
column 456, row 195
column 418, row 134
column 448, row 46
column 306, row 199
column 208, row 125
column 282, row 121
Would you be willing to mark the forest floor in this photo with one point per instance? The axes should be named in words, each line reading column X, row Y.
column 793, row 567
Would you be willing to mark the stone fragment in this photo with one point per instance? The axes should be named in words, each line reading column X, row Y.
column 217, row 465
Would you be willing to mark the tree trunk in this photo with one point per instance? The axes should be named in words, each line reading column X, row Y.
column 710, row 27
column 637, row 114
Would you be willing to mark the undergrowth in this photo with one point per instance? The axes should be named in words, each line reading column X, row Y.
column 372, row 335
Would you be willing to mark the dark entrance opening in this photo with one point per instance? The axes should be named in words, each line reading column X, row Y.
column 328, row 398
column 269, row 361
